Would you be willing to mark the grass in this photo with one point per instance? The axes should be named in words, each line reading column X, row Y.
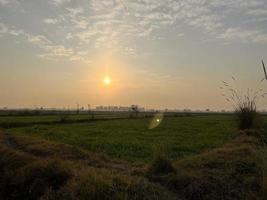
column 34, row 168
column 43, row 118
column 233, row 171
column 187, row 158
column 8, row 121
column 244, row 104
column 131, row 140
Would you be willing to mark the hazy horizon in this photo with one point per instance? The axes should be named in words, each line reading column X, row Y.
column 157, row 54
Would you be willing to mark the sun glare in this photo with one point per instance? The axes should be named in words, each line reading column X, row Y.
column 107, row 81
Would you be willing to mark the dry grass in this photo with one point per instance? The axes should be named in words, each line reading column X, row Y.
column 244, row 104
column 233, row 171
column 32, row 168
column 38, row 169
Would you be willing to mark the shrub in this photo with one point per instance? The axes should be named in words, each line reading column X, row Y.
column 160, row 164
column 245, row 105
column 247, row 115
column 33, row 180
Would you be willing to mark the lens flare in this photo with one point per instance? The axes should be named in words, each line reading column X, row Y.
column 156, row 121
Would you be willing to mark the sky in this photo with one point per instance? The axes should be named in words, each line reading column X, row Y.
column 157, row 54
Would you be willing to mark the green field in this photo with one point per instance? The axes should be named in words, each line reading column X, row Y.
column 186, row 157
column 15, row 120
column 131, row 140
column 57, row 118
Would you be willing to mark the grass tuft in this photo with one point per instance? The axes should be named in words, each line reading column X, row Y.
column 247, row 115
column 245, row 105
column 161, row 163
column 33, row 180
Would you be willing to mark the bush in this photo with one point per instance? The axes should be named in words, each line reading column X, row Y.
column 161, row 165
column 247, row 116
column 245, row 105
column 33, row 180
column 248, row 119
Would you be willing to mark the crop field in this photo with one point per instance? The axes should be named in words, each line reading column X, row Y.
column 39, row 119
column 121, row 157
column 12, row 119
column 132, row 140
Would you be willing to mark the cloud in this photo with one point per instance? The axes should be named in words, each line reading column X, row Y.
column 59, row 2
column 39, row 40
column 180, row 34
column 121, row 24
column 8, row 2
column 50, row 21
column 56, row 51
column 246, row 36
column 49, row 49
column 258, row 12
column 80, row 24
column 4, row 2
column 72, row 12
column 3, row 29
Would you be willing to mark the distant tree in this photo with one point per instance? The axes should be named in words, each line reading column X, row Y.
column 135, row 109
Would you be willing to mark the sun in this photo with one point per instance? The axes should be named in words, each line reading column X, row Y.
column 107, row 80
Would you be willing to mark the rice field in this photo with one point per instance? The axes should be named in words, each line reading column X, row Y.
column 132, row 140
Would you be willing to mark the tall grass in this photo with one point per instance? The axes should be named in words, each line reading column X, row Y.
column 244, row 104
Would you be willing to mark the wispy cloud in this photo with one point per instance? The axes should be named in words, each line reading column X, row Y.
column 72, row 12
column 120, row 24
column 3, row 29
column 59, row 2
column 49, row 49
column 258, row 12
column 6, row 3
column 243, row 35
column 50, row 21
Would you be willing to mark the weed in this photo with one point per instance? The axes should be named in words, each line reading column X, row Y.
column 245, row 105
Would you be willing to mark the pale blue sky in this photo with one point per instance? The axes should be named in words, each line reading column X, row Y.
column 171, row 53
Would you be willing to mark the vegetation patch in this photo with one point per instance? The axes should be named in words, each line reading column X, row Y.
column 70, row 173
column 233, row 171
column 160, row 164
column 131, row 139
column 32, row 167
